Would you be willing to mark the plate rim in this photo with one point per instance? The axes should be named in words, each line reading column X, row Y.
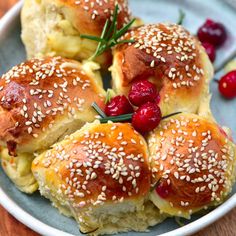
column 44, row 229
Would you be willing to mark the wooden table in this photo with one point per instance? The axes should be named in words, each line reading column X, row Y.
column 9, row 226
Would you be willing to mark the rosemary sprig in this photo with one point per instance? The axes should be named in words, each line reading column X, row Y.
column 126, row 117
column 98, row 110
column 170, row 115
column 181, row 17
column 110, row 35
column 120, row 118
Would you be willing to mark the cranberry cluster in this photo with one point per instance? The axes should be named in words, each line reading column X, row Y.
column 212, row 35
column 144, row 95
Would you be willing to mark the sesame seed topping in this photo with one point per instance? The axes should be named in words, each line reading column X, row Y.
column 200, row 160
column 160, row 41
column 102, row 157
column 46, row 98
column 95, row 8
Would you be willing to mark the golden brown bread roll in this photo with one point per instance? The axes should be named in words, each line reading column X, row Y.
column 193, row 164
column 100, row 175
column 42, row 100
column 167, row 55
column 56, row 25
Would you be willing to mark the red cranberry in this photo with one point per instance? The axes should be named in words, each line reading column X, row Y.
column 212, row 32
column 147, row 117
column 118, row 105
column 163, row 190
column 210, row 50
column 143, row 91
column 227, row 85
column 158, row 98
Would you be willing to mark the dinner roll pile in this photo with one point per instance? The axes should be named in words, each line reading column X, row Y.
column 56, row 138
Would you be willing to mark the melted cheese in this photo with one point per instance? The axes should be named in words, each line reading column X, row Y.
column 18, row 169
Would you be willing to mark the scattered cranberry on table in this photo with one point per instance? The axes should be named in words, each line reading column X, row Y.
column 227, row 85
column 212, row 35
column 210, row 50
column 143, row 91
column 118, row 105
column 212, row 32
column 147, row 117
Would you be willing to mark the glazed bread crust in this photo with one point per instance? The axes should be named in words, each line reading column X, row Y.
column 193, row 164
column 56, row 25
column 167, row 55
column 98, row 171
column 90, row 16
column 42, row 100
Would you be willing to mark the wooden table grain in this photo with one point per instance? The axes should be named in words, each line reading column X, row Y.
column 9, row 226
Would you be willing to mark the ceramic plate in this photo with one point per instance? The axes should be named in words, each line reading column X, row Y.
column 37, row 212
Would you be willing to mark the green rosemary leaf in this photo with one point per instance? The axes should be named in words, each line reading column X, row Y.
column 115, row 29
column 124, row 29
column 173, row 114
column 128, row 117
column 110, row 35
column 113, row 24
column 98, row 110
column 125, row 117
column 112, row 43
column 98, row 52
column 94, row 38
column 120, row 118
column 181, row 17
column 126, row 41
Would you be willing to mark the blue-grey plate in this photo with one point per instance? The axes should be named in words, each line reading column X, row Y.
column 37, row 212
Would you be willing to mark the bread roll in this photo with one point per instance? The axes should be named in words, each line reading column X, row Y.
column 53, row 27
column 100, row 175
column 193, row 164
column 41, row 101
column 167, row 55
